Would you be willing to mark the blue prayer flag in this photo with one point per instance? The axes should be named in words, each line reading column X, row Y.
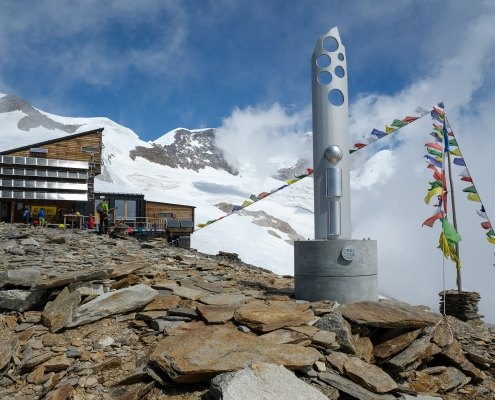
column 378, row 134
column 459, row 161
column 434, row 161
column 236, row 208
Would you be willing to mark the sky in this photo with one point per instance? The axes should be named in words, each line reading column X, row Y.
column 244, row 67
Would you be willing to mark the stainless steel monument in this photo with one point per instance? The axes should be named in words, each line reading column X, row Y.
column 333, row 266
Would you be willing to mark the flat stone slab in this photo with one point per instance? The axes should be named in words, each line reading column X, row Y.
column 369, row 376
column 20, row 300
column 111, row 303
column 395, row 344
column 335, row 323
column 208, row 350
column 262, row 382
column 226, row 299
column 388, row 314
column 347, row 386
column 420, row 348
column 69, row 277
column 284, row 336
column 216, row 313
column 20, row 277
column 187, row 293
column 163, row 303
column 268, row 317
column 58, row 314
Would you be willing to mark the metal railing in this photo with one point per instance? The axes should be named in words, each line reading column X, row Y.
column 43, row 173
column 44, row 162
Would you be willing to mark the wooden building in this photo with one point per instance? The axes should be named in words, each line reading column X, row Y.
column 51, row 174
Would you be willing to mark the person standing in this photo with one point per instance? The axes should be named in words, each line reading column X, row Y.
column 60, row 215
column 102, row 209
column 41, row 217
column 91, row 222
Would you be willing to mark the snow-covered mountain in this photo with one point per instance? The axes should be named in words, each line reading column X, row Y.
column 186, row 167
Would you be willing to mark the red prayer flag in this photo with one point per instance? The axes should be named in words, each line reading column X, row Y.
column 451, row 134
column 434, row 146
column 360, row 145
column 407, row 120
column 262, row 195
column 467, row 179
column 486, row 225
column 310, row 170
column 436, row 175
column 430, row 221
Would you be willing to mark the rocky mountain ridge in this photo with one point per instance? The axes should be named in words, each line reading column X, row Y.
column 91, row 317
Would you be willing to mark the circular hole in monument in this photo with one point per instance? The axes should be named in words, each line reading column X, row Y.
column 341, row 57
column 339, row 71
column 330, row 44
column 323, row 61
column 335, row 97
column 324, row 78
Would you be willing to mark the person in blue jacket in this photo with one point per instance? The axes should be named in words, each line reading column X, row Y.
column 41, row 217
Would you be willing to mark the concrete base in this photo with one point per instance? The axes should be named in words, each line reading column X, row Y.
column 321, row 273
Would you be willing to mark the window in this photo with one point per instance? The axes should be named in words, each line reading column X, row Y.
column 186, row 223
column 131, row 208
column 38, row 150
column 90, row 149
column 173, row 223
column 164, row 215
column 119, row 212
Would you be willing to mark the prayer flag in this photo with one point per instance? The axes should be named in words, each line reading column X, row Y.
column 437, row 136
column 389, row 130
column 491, row 240
column 436, row 184
column 434, row 152
column 490, row 233
column 474, row 197
column 236, row 208
column 467, row 179
column 439, row 117
column 464, row 173
column 450, row 232
column 210, row 222
column 201, row 225
column 430, row 221
column 439, row 110
column 451, row 134
column 434, row 161
column 421, row 110
column 301, row 176
column 254, row 198
column 460, row 162
column 482, row 213
column 433, row 192
column 486, row 225
column 456, row 152
column 408, row 120
column 352, row 151
column 246, row 203
column 453, row 142
column 434, row 146
column 378, row 134
column 291, row 181
column 436, row 175
column 438, row 130
column 262, row 195
column 310, row 170
column 444, row 245
column 359, row 146
column 398, row 123
column 470, row 189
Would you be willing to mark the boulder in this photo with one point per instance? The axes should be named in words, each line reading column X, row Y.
column 262, row 382
column 268, row 317
column 335, row 323
column 388, row 314
column 20, row 300
column 19, row 277
column 208, row 350
column 58, row 313
column 216, row 313
column 111, row 303
column 369, row 376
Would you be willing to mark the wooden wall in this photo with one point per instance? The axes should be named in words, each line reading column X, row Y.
column 179, row 211
column 70, row 149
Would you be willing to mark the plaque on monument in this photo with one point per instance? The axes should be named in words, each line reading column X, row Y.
column 348, row 253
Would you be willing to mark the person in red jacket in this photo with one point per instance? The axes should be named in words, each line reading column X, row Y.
column 91, row 222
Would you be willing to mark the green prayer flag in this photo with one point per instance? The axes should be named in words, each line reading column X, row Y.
column 398, row 123
column 253, row 198
column 450, row 232
column 453, row 142
column 490, row 233
column 434, row 152
column 210, row 222
column 438, row 130
column 435, row 184
column 352, row 151
column 301, row 176
column 470, row 189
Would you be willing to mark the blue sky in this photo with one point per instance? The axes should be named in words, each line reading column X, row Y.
column 157, row 65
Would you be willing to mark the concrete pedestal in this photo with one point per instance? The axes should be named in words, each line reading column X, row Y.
column 322, row 273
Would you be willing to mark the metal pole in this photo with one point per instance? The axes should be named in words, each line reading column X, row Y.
column 454, row 219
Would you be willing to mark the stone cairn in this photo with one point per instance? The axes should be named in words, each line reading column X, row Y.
column 463, row 306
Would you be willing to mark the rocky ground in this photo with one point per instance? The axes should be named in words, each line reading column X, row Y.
column 89, row 317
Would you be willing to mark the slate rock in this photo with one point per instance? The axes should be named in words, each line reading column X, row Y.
column 111, row 303
column 264, row 317
column 58, row 313
column 335, row 323
column 262, row 382
column 163, row 303
column 183, row 312
column 19, row 277
column 349, row 387
column 324, row 338
column 284, row 336
column 188, row 293
column 69, row 277
column 388, row 314
column 61, row 393
column 455, row 356
column 7, row 350
column 20, row 300
column 395, row 344
column 226, row 299
column 369, row 376
column 420, row 348
column 216, row 313
column 208, row 350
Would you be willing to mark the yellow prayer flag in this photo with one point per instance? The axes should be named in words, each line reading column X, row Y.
column 444, row 245
column 491, row 240
column 201, row 225
column 456, row 152
column 246, row 203
column 474, row 197
column 388, row 129
column 437, row 191
column 453, row 257
column 291, row 181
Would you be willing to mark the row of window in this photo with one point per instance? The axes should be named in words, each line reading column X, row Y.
column 43, row 173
